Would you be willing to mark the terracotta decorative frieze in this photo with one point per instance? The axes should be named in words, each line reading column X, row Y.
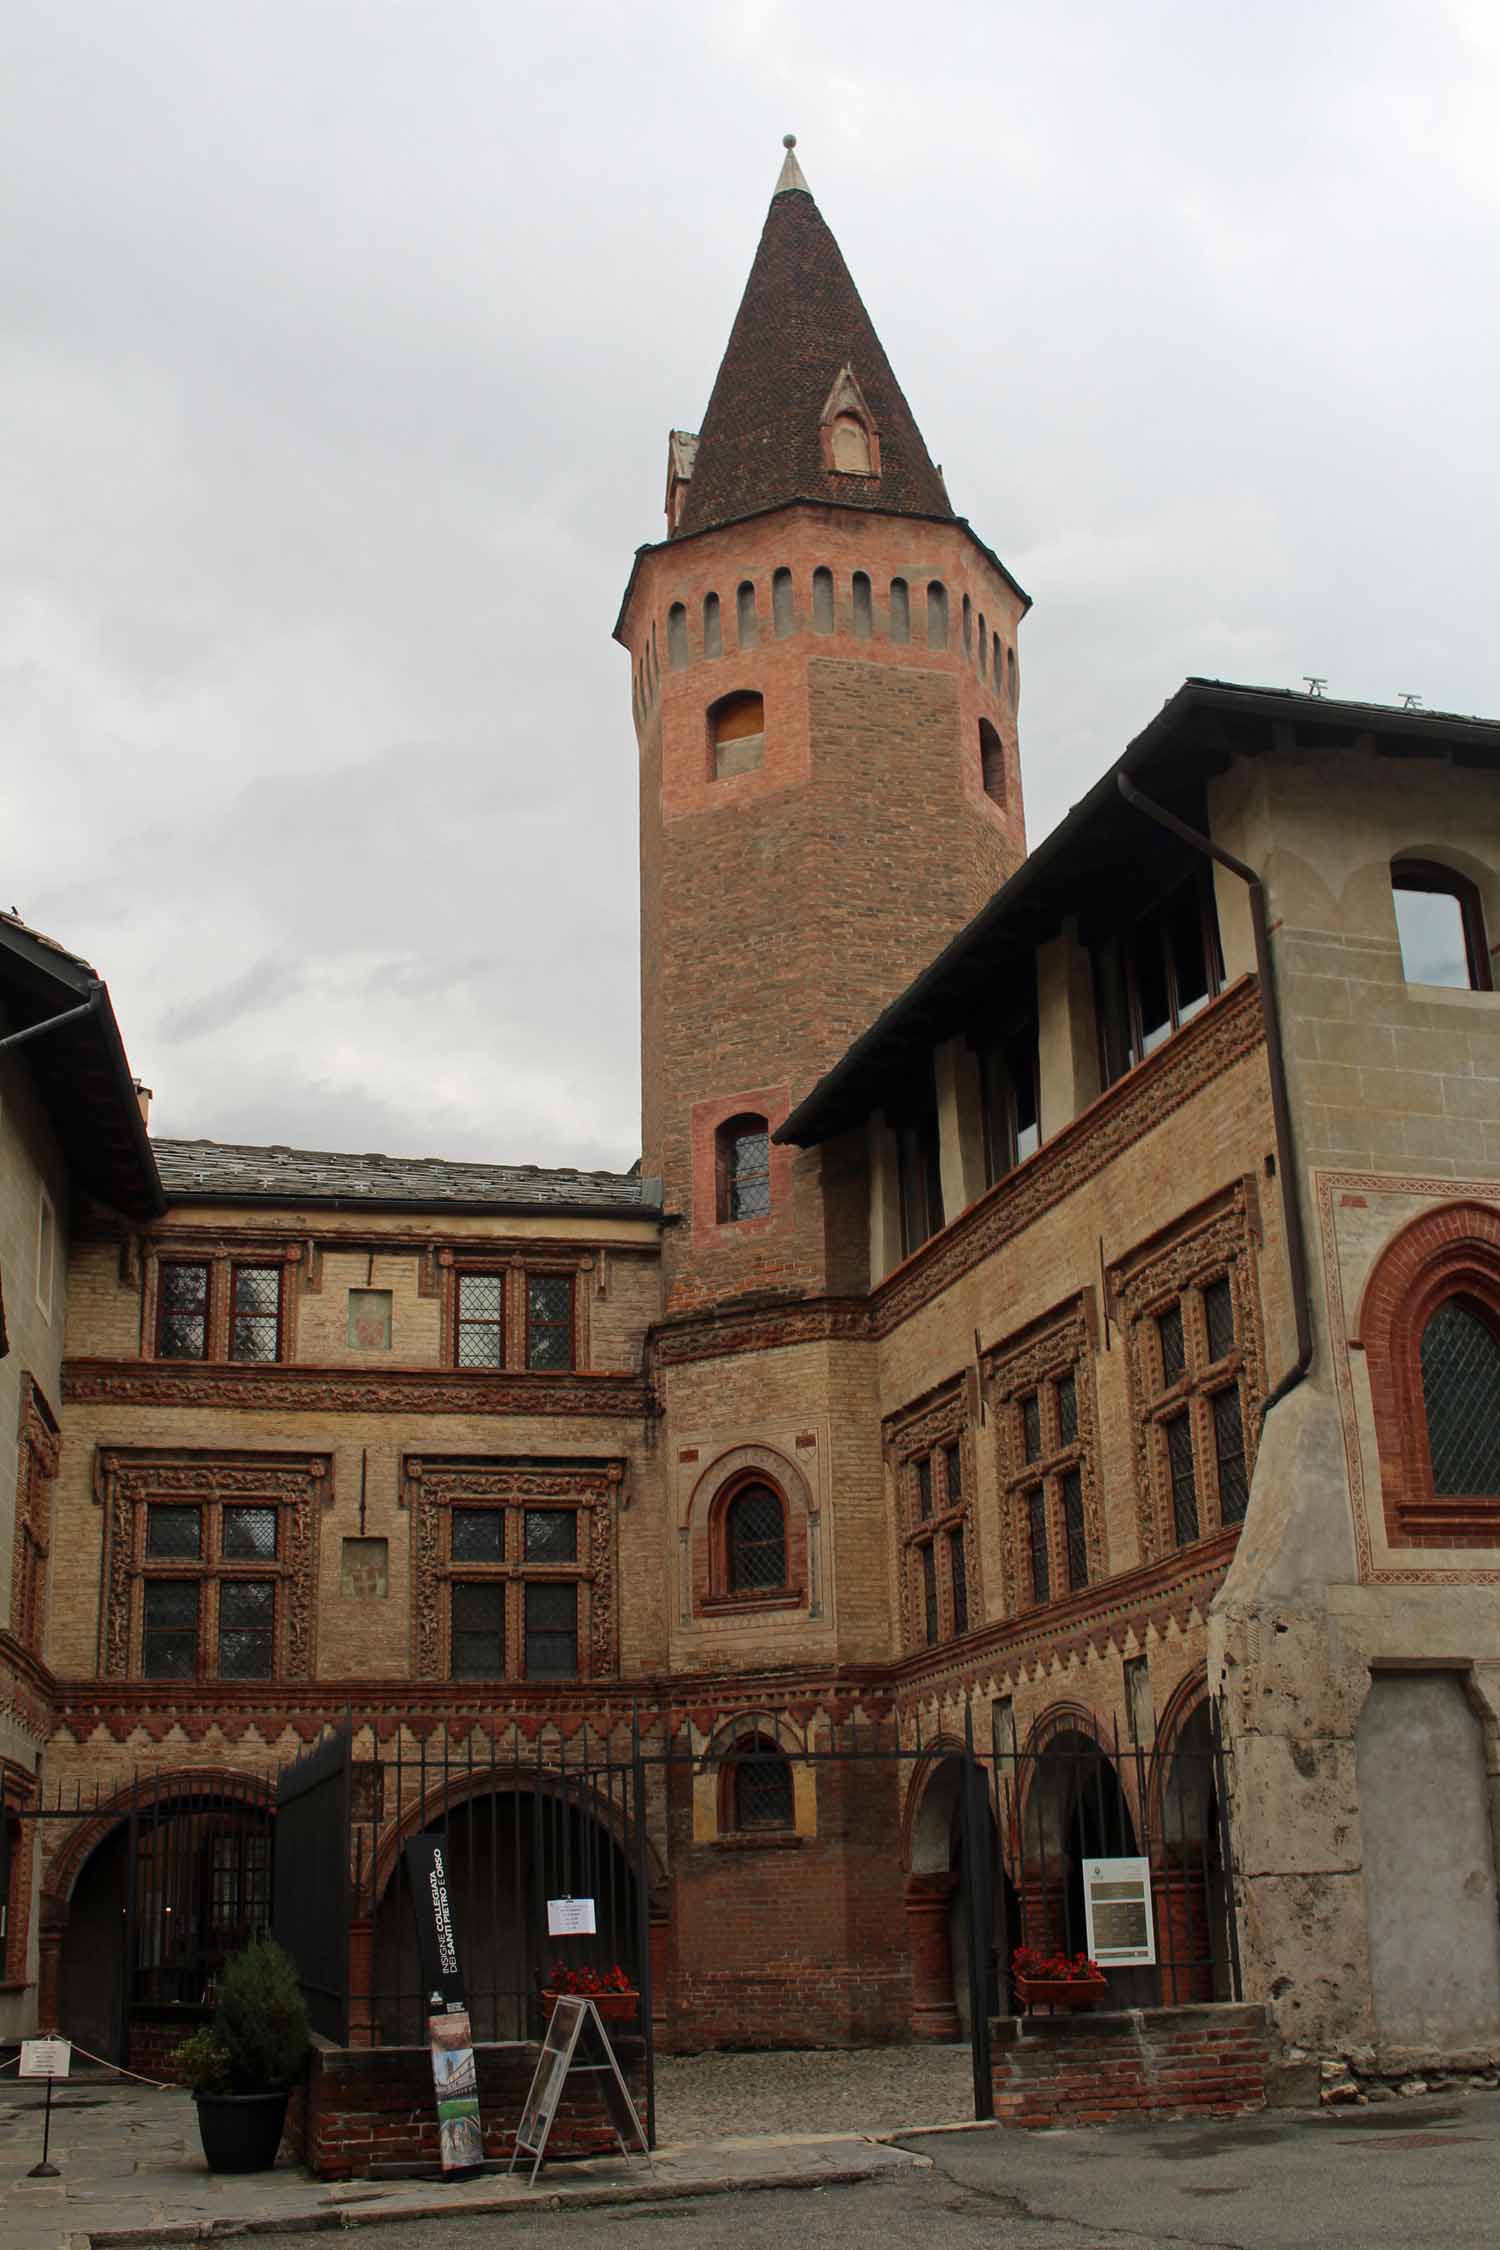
column 594, row 1489
column 336, row 1390
column 939, row 1420
column 1215, row 1239
column 1213, row 1043
column 762, row 1328
column 127, row 1479
column 38, row 1446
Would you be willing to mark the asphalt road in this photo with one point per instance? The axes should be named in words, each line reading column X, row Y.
column 1424, row 2175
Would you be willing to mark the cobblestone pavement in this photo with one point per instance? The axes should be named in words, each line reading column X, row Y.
column 864, row 2090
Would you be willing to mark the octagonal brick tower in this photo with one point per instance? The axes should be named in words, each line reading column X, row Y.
column 824, row 687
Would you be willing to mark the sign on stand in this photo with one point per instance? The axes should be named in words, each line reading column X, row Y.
column 50, row 2059
column 449, row 2037
column 1117, row 1912
column 575, row 2020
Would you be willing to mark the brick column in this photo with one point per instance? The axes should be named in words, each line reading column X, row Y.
column 362, row 2025
column 928, row 1899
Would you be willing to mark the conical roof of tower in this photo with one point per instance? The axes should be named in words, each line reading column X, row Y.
column 800, row 324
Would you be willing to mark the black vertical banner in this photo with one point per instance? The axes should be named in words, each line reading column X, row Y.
column 449, row 2038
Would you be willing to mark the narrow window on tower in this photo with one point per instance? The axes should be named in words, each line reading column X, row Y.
column 736, row 735
column 968, row 625
column 984, row 642
column 677, row 638
column 743, row 1169
column 822, row 607
column 864, row 608
column 851, row 446
column 783, row 605
column 713, row 633
column 746, row 616
column 991, row 762
column 937, row 615
column 999, row 662
column 900, row 610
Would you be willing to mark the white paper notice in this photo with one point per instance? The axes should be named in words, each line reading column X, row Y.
column 570, row 1917
column 45, row 2058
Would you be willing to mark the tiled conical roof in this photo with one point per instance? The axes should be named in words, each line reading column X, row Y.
column 800, row 324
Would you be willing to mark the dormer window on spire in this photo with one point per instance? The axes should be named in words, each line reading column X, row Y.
column 851, row 447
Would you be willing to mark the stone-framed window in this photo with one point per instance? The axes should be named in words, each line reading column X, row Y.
column 1190, row 1306
column 931, row 1451
column 38, row 1446
column 515, row 1311
column 757, row 1797
column 1041, row 1390
column 750, row 1537
column 742, row 1166
column 1440, row 923
column 514, row 1568
column 221, row 1302
column 211, row 1564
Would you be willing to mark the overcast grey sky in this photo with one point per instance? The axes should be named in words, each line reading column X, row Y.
column 340, row 345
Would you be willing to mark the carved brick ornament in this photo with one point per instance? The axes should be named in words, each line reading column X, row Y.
column 1059, row 1343
column 38, row 1444
column 918, row 1434
column 594, row 1488
column 1217, row 1239
column 127, row 1481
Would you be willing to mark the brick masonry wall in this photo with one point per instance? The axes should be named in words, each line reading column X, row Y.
column 1143, row 2062
column 370, row 2106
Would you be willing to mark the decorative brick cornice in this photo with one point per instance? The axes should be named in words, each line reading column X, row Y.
column 349, row 1390
column 1220, row 1037
column 761, row 1328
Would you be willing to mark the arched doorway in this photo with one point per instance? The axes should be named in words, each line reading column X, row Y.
column 1189, row 1892
column 937, row 1904
column 175, row 1886
column 508, row 1852
column 1075, row 1810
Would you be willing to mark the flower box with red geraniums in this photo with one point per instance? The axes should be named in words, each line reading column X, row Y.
column 1053, row 1980
column 611, row 1991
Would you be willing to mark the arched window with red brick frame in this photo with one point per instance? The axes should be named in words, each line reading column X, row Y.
column 748, row 1539
column 1430, row 1327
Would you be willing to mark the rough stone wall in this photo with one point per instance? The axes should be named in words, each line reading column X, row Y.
column 1395, row 1093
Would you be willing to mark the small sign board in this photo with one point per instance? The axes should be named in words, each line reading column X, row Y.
column 572, row 2017
column 45, row 2058
column 570, row 1917
column 1117, row 1912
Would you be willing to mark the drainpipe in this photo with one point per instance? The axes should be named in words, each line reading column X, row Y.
column 55, row 1023
column 1296, row 1239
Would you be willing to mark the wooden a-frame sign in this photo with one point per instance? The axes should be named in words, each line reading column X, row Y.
column 572, row 2015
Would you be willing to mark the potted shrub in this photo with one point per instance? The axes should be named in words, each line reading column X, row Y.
column 611, row 1990
column 1054, row 1980
column 241, row 2068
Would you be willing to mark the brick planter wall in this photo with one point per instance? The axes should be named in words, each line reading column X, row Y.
column 1141, row 2062
column 374, row 2105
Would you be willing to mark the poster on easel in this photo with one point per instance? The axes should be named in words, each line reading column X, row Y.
column 575, row 2019
column 450, row 2039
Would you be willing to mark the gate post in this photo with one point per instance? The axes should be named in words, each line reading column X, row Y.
column 977, row 1888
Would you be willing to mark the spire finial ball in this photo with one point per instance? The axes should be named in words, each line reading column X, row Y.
column 789, row 140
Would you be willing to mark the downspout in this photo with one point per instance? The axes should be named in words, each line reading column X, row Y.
column 1291, row 1209
column 55, row 1023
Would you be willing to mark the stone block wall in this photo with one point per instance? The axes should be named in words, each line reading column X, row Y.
column 1141, row 2062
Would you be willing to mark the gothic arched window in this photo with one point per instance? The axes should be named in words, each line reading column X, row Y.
column 744, row 1169
column 1460, row 1356
column 755, row 1540
column 760, row 1791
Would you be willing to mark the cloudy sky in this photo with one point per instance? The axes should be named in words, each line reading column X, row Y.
column 340, row 343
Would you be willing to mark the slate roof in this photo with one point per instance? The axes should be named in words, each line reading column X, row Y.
column 800, row 321
column 222, row 1172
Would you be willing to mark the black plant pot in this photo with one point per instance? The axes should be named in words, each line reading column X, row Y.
column 241, row 2132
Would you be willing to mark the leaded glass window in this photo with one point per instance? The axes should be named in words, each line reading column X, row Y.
column 1461, row 1389
column 247, row 1628
column 255, row 1313
column 549, row 1320
column 169, row 1629
column 1031, row 1426
column 924, row 1485
column 1218, row 1313
column 1229, row 1451
column 1073, row 1530
column 1184, row 1478
column 478, row 1535
column 929, row 1593
column 745, row 1155
column 174, row 1533
column 249, row 1534
column 551, row 1535
column 958, row 1581
column 1067, row 1410
column 762, row 1788
column 481, row 1320
column 551, row 1632
column 953, row 1465
column 1169, row 1332
column 755, row 1536
column 1036, row 1540
column 478, row 1636
column 182, row 1324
